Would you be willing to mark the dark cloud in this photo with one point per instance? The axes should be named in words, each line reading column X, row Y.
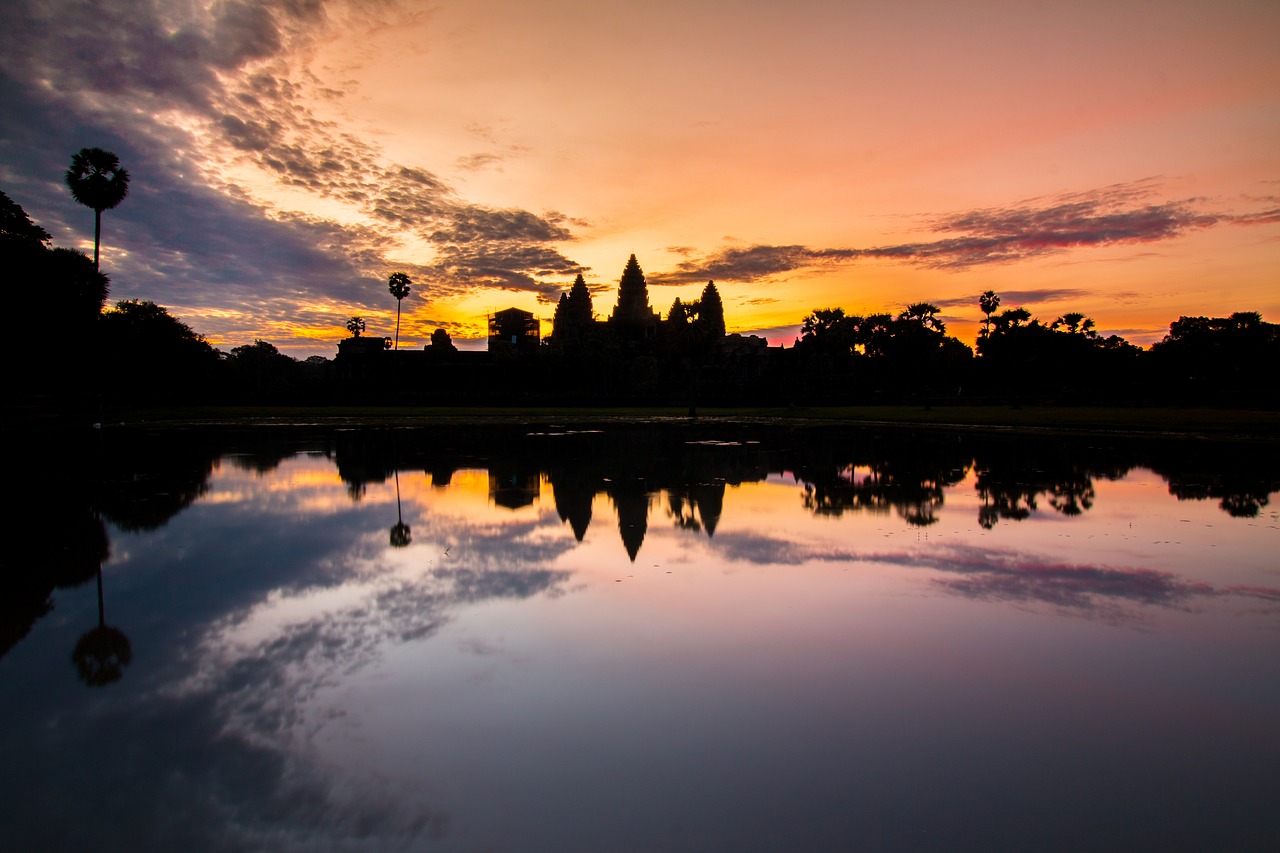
column 1015, row 298
column 750, row 264
column 476, row 162
column 472, row 224
column 508, row 265
column 1110, row 216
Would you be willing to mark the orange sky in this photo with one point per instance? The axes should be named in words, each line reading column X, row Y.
column 1119, row 159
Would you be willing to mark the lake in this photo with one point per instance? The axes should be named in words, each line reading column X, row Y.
column 665, row 638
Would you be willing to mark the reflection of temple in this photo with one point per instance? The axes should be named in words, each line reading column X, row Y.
column 631, row 499
column 513, row 488
column 573, row 495
column 694, row 508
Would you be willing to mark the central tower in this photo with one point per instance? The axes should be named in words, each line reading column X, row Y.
column 632, row 316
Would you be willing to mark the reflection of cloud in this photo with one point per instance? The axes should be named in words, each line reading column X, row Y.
column 763, row 549
column 284, row 606
column 264, row 693
column 1013, row 577
column 1006, row 576
column 169, row 774
column 1009, row 576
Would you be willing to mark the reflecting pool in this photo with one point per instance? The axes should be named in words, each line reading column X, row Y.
column 677, row 638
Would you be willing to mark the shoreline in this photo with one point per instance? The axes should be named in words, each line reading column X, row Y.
column 1218, row 424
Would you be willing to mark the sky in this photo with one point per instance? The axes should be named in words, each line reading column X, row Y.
column 1120, row 159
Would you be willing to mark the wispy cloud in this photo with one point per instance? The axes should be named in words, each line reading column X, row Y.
column 1124, row 214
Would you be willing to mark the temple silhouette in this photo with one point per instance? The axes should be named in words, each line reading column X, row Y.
column 632, row 355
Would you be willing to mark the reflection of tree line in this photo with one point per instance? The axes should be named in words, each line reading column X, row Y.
column 839, row 471
column 71, row 489
column 141, row 481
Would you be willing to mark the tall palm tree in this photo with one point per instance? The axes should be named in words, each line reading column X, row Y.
column 988, row 302
column 398, row 284
column 355, row 326
column 97, row 180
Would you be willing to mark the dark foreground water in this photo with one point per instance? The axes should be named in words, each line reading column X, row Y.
column 673, row 639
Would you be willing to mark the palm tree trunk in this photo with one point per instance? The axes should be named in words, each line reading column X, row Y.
column 397, row 325
column 97, row 236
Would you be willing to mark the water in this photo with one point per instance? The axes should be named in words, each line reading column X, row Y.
column 680, row 638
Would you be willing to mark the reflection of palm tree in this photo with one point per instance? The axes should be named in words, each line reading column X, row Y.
column 398, row 284
column 401, row 534
column 103, row 652
column 97, row 181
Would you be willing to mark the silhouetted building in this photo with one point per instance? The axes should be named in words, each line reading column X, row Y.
column 514, row 329
column 363, row 345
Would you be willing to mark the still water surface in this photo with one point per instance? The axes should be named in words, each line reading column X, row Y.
column 711, row 638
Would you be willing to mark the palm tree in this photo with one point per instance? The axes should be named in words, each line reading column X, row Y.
column 398, row 284
column 1076, row 323
column 988, row 302
column 926, row 315
column 97, row 180
column 355, row 326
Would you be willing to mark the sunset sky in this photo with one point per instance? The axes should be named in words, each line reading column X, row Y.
column 1121, row 159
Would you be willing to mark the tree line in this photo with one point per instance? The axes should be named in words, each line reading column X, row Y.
column 1019, row 357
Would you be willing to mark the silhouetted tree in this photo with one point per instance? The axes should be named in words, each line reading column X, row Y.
column 44, row 283
column 925, row 315
column 988, row 302
column 97, row 181
column 77, row 285
column 149, row 355
column 829, row 330
column 261, row 371
column 17, row 231
column 399, row 285
column 58, row 282
column 356, row 326
column 1220, row 359
column 1075, row 323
